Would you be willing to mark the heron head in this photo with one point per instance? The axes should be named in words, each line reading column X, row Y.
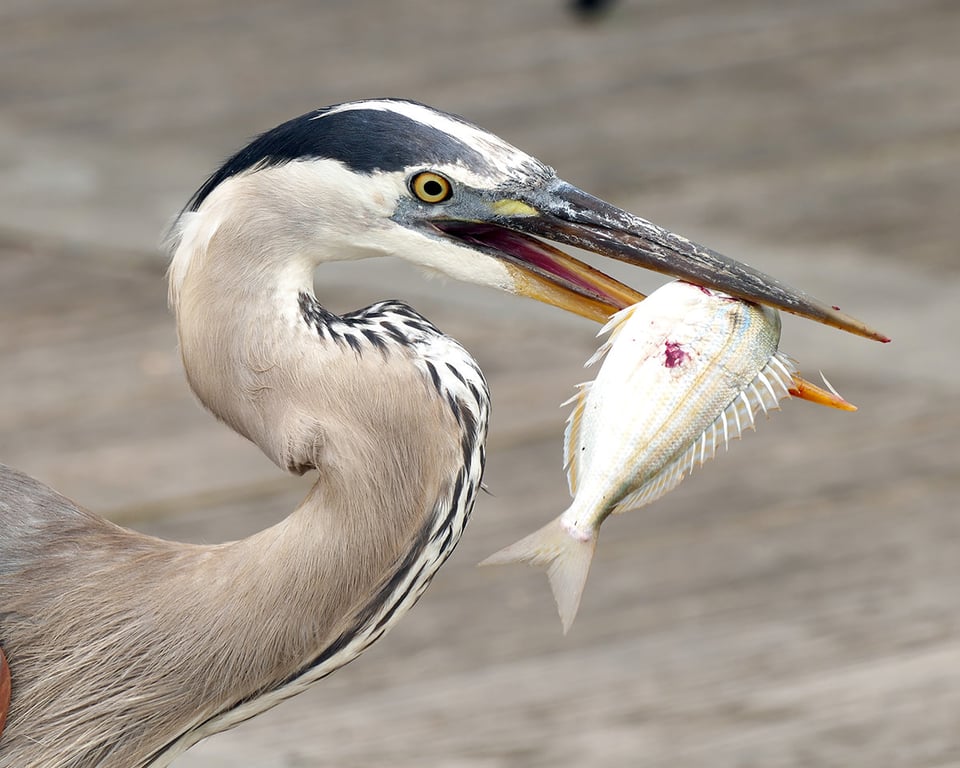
column 393, row 177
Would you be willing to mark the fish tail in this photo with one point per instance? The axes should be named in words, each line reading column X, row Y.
column 565, row 558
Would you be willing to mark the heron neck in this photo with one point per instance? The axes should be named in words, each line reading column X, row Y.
column 298, row 586
column 385, row 444
column 241, row 334
column 312, row 592
column 398, row 458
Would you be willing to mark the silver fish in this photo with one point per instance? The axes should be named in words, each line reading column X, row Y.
column 683, row 372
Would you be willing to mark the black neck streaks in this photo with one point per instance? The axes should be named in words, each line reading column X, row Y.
column 384, row 328
column 393, row 326
column 380, row 326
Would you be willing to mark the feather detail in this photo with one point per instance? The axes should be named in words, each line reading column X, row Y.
column 4, row 690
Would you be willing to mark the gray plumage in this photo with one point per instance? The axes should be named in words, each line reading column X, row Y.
column 191, row 632
column 126, row 649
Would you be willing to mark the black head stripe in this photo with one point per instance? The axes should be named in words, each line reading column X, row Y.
column 364, row 140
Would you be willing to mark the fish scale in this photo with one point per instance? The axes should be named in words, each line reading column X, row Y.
column 683, row 372
column 671, row 367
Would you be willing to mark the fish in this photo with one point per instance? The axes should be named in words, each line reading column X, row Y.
column 684, row 371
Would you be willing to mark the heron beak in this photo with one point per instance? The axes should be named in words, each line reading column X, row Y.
column 543, row 272
column 564, row 214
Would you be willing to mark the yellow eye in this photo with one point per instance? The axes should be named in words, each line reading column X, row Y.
column 431, row 187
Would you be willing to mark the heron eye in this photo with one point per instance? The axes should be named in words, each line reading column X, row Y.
column 431, row 187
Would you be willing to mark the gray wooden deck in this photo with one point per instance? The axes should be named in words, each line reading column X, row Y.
column 795, row 603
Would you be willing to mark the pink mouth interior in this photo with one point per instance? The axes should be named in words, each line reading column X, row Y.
column 539, row 257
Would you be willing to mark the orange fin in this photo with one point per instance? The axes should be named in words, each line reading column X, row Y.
column 4, row 690
column 829, row 397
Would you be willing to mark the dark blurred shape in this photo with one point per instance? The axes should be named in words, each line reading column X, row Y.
column 590, row 9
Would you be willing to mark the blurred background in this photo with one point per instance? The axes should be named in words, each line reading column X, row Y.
column 794, row 603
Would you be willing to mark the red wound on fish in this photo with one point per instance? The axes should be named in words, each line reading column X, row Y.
column 673, row 354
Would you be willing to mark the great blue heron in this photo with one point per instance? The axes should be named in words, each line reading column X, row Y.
column 125, row 650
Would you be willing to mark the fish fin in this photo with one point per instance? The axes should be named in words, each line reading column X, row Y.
column 565, row 558
column 616, row 321
column 770, row 386
column 611, row 329
column 601, row 353
column 665, row 481
column 571, row 436
column 777, row 379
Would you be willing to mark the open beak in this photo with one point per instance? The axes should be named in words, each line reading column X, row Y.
column 561, row 213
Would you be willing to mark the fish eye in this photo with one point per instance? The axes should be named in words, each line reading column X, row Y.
column 431, row 187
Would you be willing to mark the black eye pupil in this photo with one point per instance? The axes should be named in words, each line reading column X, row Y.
column 433, row 188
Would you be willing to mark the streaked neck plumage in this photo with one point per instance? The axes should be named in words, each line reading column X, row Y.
column 195, row 639
column 389, row 411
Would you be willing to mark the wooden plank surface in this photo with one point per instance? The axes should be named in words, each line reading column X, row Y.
column 795, row 603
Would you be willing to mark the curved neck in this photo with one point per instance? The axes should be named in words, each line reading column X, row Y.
column 398, row 450
column 130, row 649
column 194, row 639
column 390, row 412
column 367, row 416
column 227, row 631
column 240, row 330
column 305, row 596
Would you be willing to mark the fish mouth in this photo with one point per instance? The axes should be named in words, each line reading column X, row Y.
column 519, row 230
